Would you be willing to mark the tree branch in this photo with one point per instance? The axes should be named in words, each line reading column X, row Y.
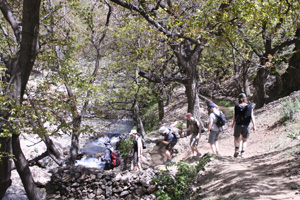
column 11, row 18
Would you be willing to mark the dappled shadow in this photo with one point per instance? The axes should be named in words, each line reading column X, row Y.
column 276, row 125
column 250, row 178
column 157, row 155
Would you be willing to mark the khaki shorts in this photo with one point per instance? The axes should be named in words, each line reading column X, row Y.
column 193, row 141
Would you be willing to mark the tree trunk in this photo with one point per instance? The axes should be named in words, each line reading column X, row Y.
column 140, row 125
column 19, row 72
column 193, row 99
column 23, row 170
column 260, row 95
column 188, row 56
column 75, row 139
column 290, row 78
column 161, row 111
column 5, row 164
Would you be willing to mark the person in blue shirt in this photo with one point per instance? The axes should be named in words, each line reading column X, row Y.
column 169, row 140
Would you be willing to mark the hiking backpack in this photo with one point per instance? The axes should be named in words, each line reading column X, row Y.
column 175, row 133
column 143, row 143
column 221, row 119
column 115, row 158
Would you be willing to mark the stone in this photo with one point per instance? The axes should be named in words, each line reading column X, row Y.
column 108, row 191
column 91, row 196
column 124, row 193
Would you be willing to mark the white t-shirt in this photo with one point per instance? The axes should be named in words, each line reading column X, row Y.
column 212, row 117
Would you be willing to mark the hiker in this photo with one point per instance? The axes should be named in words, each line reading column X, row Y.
column 137, row 147
column 170, row 140
column 196, row 128
column 243, row 114
column 213, row 130
column 107, row 156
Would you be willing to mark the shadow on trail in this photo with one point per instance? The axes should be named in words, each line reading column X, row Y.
column 157, row 155
column 259, row 177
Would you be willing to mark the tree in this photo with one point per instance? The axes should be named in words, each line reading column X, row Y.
column 290, row 78
column 19, row 67
column 185, row 35
column 266, row 28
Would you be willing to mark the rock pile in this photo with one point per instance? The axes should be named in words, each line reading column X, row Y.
column 90, row 183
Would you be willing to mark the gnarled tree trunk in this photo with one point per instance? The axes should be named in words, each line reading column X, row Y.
column 290, row 78
column 19, row 70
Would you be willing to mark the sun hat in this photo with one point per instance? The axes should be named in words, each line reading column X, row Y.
column 163, row 129
column 212, row 105
column 133, row 131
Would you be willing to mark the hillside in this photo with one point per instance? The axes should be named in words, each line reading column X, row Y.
column 270, row 170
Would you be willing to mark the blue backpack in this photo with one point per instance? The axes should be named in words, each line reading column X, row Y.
column 221, row 119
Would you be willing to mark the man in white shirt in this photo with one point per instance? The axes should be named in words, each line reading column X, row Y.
column 213, row 130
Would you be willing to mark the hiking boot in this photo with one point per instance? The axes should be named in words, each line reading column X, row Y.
column 236, row 154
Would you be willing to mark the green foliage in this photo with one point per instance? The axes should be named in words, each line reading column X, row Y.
column 150, row 117
column 225, row 102
column 4, row 155
column 294, row 134
column 124, row 146
column 289, row 109
column 181, row 124
column 177, row 187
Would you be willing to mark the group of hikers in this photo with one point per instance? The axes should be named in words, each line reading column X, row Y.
column 243, row 115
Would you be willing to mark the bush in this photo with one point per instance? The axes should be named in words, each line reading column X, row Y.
column 177, row 187
column 289, row 109
column 150, row 118
column 124, row 146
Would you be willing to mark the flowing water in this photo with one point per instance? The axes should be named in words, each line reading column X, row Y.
column 92, row 149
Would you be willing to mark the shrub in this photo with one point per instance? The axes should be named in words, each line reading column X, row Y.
column 177, row 187
column 124, row 146
column 150, row 118
column 289, row 109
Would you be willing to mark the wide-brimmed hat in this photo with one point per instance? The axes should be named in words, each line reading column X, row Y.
column 133, row 131
column 163, row 129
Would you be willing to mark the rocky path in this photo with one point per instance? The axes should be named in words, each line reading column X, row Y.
column 275, row 175
column 269, row 171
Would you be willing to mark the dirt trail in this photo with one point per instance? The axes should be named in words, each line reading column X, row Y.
column 269, row 171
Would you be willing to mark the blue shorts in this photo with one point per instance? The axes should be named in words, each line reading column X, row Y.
column 241, row 130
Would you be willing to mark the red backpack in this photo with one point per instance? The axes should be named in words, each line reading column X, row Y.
column 115, row 158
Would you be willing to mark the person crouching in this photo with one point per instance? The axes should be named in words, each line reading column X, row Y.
column 169, row 140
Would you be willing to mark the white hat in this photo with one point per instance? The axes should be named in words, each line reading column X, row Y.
column 163, row 129
column 133, row 131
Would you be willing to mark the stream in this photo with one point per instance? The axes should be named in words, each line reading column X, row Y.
column 96, row 146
